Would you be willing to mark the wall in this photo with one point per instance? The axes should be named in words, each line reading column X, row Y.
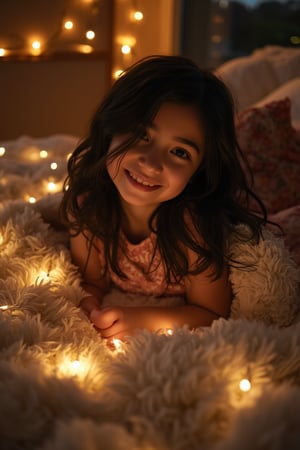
column 59, row 95
column 156, row 33
column 49, row 97
column 56, row 88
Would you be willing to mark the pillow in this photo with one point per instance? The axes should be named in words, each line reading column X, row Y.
column 289, row 89
column 285, row 61
column 249, row 79
column 272, row 147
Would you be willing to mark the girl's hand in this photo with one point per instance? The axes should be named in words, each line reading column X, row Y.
column 117, row 322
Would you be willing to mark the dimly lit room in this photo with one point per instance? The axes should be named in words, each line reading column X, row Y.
column 150, row 225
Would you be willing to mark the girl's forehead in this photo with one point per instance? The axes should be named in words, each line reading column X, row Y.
column 178, row 116
column 181, row 122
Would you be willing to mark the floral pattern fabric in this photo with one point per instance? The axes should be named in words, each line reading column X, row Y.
column 272, row 147
column 145, row 274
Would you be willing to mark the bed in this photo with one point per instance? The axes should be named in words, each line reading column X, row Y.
column 231, row 386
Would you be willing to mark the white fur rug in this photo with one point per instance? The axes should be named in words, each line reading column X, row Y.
column 62, row 388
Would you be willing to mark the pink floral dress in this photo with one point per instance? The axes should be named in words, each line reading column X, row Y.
column 145, row 272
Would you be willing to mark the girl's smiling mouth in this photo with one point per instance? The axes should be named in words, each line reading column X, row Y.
column 138, row 182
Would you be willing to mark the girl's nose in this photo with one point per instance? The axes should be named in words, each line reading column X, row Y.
column 151, row 159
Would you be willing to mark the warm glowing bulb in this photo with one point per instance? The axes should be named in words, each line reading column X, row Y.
column 118, row 344
column 68, row 25
column 85, row 48
column 32, row 200
column 90, row 34
column 51, row 186
column 245, row 385
column 75, row 365
column 117, row 73
column 2, row 51
column 2, row 151
column 53, row 166
column 126, row 49
column 43, row 153
column 138, row 15
column 169, row 331
column 36, row 45
column 43, row 276
column 3, row 307
column 74, row 368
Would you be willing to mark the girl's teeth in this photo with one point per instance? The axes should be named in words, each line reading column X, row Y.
column 141, row 181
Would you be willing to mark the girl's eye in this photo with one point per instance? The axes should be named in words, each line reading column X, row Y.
column 145, row 137
column 181, row 153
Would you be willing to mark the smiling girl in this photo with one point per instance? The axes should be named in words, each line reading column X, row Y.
column 153, row 194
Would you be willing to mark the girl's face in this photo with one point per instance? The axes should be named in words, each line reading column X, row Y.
column 160, row 165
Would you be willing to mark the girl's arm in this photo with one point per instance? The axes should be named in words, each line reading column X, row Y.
column 88, row 262
column 207, row 300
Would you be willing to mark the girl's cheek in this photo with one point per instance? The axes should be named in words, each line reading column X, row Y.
column 117, row 141
column 112, row 168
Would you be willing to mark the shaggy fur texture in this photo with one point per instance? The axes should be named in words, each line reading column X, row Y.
column 62, row 388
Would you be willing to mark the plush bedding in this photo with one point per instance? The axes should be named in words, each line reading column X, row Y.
column 62, row 387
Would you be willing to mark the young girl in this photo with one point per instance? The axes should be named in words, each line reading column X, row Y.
column 153, row 194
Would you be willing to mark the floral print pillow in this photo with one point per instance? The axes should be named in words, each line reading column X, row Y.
column 272, row 147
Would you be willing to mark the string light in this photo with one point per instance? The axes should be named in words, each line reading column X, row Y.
column 32, row 200
column 68, row 24
column 118, row 345
column 137, row 16
column 49, row 275
column 51, row 186
column 4, row 307
column 2, row 151
column 90, row 34
column 117, row 73
column 85, row 48
column 73, row 367
column 36, row 45
column 43, row 154
column 43, row 276
column 126, row 49
column 245, row 385
column 53, row 166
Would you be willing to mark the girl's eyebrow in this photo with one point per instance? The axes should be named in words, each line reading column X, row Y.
column 183, row 140
column 187, row 142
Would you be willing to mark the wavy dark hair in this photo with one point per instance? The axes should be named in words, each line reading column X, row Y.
column 218, row 197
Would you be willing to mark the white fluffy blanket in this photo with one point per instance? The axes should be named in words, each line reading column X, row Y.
column 62, row 388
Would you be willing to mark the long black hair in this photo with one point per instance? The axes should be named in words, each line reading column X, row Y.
column 218, row 196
